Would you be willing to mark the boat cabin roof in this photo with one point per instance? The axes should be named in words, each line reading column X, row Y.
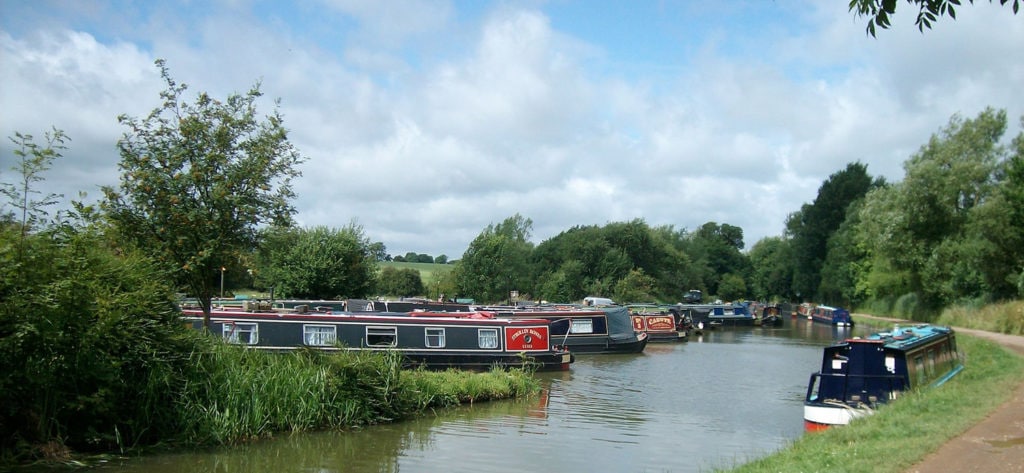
column 905, row 337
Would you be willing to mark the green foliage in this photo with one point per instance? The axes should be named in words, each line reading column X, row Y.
column 732, row 287
column 928, row 11
column 923, row 225
column 198, row 178
column 497, row 261
column 772, row 266
column 716, row 250
column 635, row 287
column 86, row 329
column 316, row 263
column 31, row 161
column 404, row 282
column 811, row 228
column 1007, row 317
column 231, row 394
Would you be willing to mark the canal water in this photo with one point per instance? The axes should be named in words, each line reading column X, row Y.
column 723, row 398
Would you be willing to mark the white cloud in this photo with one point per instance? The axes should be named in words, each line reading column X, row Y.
column 424, row 123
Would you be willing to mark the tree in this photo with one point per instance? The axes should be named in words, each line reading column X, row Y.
column 379, row 251
column 635, row 287
column 717, row 249
column 922, row 225
column 928, row 11
column 403, row 282
column 811, row 227
column 316, row 263
column 732, row 287
column 32, row 161
column 198, row 179
column 771, row 274
column 441, row 259
column 497, row 261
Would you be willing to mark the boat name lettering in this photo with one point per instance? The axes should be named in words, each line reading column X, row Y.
column 527, row 332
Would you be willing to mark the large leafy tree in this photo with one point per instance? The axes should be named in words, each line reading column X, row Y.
column 811, row 228
column 717, row 249
column 497, row 261
column 771, row 273
column 198, row 179
column 923, row 224
column 316, row 263
column 404, row 282
column 928, row 11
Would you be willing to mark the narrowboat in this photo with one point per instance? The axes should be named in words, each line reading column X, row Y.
column 736, row 315
column 661, row 324
column 804, row 310
column 437, row 342
column 771, row 316
column 582, row 330
column 859, row 375
column 831, row 315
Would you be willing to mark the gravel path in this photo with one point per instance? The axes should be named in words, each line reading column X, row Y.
column 994, row 445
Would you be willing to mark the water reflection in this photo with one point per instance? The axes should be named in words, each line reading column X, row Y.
column 723, row 398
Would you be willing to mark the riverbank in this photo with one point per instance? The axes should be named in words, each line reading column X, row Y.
column 918, row 434
column 230, row 395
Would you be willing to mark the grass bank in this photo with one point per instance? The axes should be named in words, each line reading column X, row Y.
column 1007, row 317
column 902, row 433
column 430, row 273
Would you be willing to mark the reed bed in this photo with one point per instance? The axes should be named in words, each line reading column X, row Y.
column 234, row 394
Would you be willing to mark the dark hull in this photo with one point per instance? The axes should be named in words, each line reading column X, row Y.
column 432, row 342
column 730, row 322
column 477, row 362
column 771, row 321
column 605, row 345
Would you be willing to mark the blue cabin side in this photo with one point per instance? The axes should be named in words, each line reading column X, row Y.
column 876, row 369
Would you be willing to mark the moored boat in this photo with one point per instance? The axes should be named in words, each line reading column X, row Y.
column 660, row 323
column 831, row 315
column 583, row 330
column 437, row 342
column 859, row 375
column 771, row 316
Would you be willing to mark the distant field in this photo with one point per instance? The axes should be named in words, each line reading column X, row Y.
column 427, row 270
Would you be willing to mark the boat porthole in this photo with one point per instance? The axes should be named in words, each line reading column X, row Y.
column 528, row 339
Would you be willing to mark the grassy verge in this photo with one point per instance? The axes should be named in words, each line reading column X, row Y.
column 902, row 433
column 1006, row 317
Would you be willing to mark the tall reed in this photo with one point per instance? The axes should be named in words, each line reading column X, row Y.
column 232, row 394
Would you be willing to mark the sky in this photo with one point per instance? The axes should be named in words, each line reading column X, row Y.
column 423, row 122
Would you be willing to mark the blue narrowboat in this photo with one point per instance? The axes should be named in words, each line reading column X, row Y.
column 831, row 315
column 442, row 341
column 859, row 375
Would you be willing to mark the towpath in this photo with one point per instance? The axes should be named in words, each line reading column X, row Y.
column 994, row 445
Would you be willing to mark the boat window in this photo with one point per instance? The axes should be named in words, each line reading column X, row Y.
column 319, row 335
column 488, row 337
column 381, row 336
column 582, row 326
column 242, row 333
column 435, row 337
